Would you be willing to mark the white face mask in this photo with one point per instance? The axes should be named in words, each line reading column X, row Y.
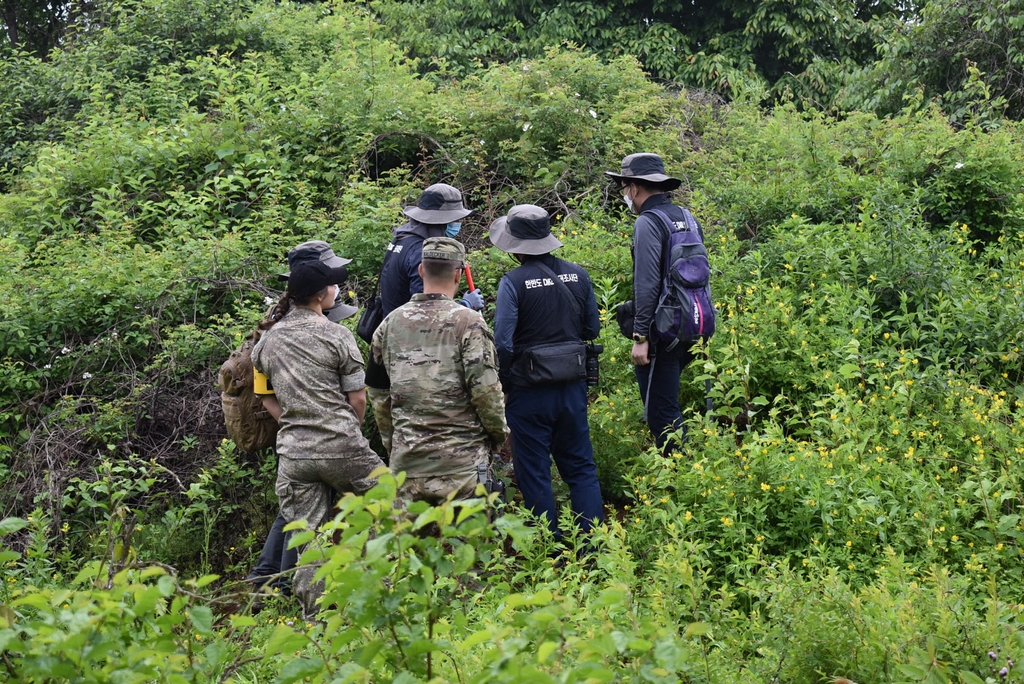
column 628, row 200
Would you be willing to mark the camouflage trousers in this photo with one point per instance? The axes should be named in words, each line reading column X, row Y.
column 381, row 399
column 304, row 489
column 436, row 489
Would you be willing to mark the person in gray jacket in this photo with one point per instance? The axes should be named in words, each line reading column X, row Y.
column 645, row 186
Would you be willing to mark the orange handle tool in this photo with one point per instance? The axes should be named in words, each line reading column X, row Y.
column 469, row 278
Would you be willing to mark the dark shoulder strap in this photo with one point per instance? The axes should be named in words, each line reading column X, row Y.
column 562, row 288
column 671, row 226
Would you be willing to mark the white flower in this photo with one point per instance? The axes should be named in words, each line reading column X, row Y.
column 526, row 67
column 46, row 367
column 959, row 165
column 86, row 376
column 65, row 350
column 113, row 335
column 268, row 300
column 483, row 142
column 593, row 113
column 526, row 126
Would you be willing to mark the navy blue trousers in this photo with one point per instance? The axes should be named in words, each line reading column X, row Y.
column 659, row 390
column 275, row 557
column 551, row 422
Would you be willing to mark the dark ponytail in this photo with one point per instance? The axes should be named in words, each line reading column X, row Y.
column 283, row 306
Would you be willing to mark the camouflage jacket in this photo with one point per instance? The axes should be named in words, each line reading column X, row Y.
column 311, row 363
column 446, row 402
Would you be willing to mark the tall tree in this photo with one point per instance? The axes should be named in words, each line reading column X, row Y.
column 37, row 26
column 719, row 44
column 966, row 54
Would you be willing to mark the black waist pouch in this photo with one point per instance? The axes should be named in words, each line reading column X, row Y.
column 550, row 364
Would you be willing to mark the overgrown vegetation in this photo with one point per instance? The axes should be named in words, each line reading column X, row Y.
column 850, row 508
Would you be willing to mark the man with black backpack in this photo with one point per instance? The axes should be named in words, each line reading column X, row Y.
column 438, row 213
column 545, row 313
column 671, row 295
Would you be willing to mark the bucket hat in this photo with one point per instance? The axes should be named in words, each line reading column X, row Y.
column 339, row 311
column 645, row 166
column 312, row 266
column 525, row 230
column 439, row 203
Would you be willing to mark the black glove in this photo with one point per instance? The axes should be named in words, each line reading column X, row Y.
column 624, row 314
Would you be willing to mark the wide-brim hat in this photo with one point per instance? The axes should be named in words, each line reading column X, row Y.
column 645, row 166
column 439, row 203
column 312, row 266
column 526, row 229
column 340, row 312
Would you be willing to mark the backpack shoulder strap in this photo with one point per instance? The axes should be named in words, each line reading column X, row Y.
column 562, row 288
column 672, row 228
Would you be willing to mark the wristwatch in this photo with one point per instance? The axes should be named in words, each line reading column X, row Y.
column 639, row 339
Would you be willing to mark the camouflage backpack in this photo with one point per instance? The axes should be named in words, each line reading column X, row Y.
column 249, row 424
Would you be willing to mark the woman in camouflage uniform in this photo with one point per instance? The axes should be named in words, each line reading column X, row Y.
column 316, row 373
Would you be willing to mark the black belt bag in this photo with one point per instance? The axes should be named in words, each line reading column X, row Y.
column 550, row 364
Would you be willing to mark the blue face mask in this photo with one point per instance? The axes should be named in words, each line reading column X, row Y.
column 453, row 229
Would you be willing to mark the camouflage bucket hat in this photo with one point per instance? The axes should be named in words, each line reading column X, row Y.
column 645, row 166
column 525, row 230
column 445, row 249
column 440, row 203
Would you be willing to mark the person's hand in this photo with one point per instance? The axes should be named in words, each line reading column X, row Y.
column 474, row 300
column 639, row 354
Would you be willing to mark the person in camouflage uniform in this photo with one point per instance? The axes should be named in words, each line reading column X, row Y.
column 446, row 406
column 316, row 372
column 438, row 212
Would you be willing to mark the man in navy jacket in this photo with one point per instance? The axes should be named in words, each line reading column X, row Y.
column 546, row 310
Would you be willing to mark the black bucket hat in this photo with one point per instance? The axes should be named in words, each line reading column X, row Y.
column 339, row 311
column 645, row 166
column 439, row 203
column 525, row 230
column 312, row 266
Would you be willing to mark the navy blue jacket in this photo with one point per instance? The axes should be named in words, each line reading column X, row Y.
column 532, row 311
column 400, row 277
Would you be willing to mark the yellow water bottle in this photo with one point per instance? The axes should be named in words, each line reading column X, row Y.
column 261, row 383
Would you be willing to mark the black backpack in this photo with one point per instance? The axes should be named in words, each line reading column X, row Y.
column 685, row 311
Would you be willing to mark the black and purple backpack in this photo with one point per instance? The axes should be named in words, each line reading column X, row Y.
column 685, row 312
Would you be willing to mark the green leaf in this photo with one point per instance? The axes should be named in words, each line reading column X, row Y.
column 206, row 580
column 285, row 639
column 202, row 619
column 545, row 650
column 464, row 557
column 610, row 597
column 11, row 525
column 697, row 629
column 918, row 674
column 970, row 678
column 166, row 585
column 376, row 548
column 475, row 639
column 242, row 621
column 300, row 668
